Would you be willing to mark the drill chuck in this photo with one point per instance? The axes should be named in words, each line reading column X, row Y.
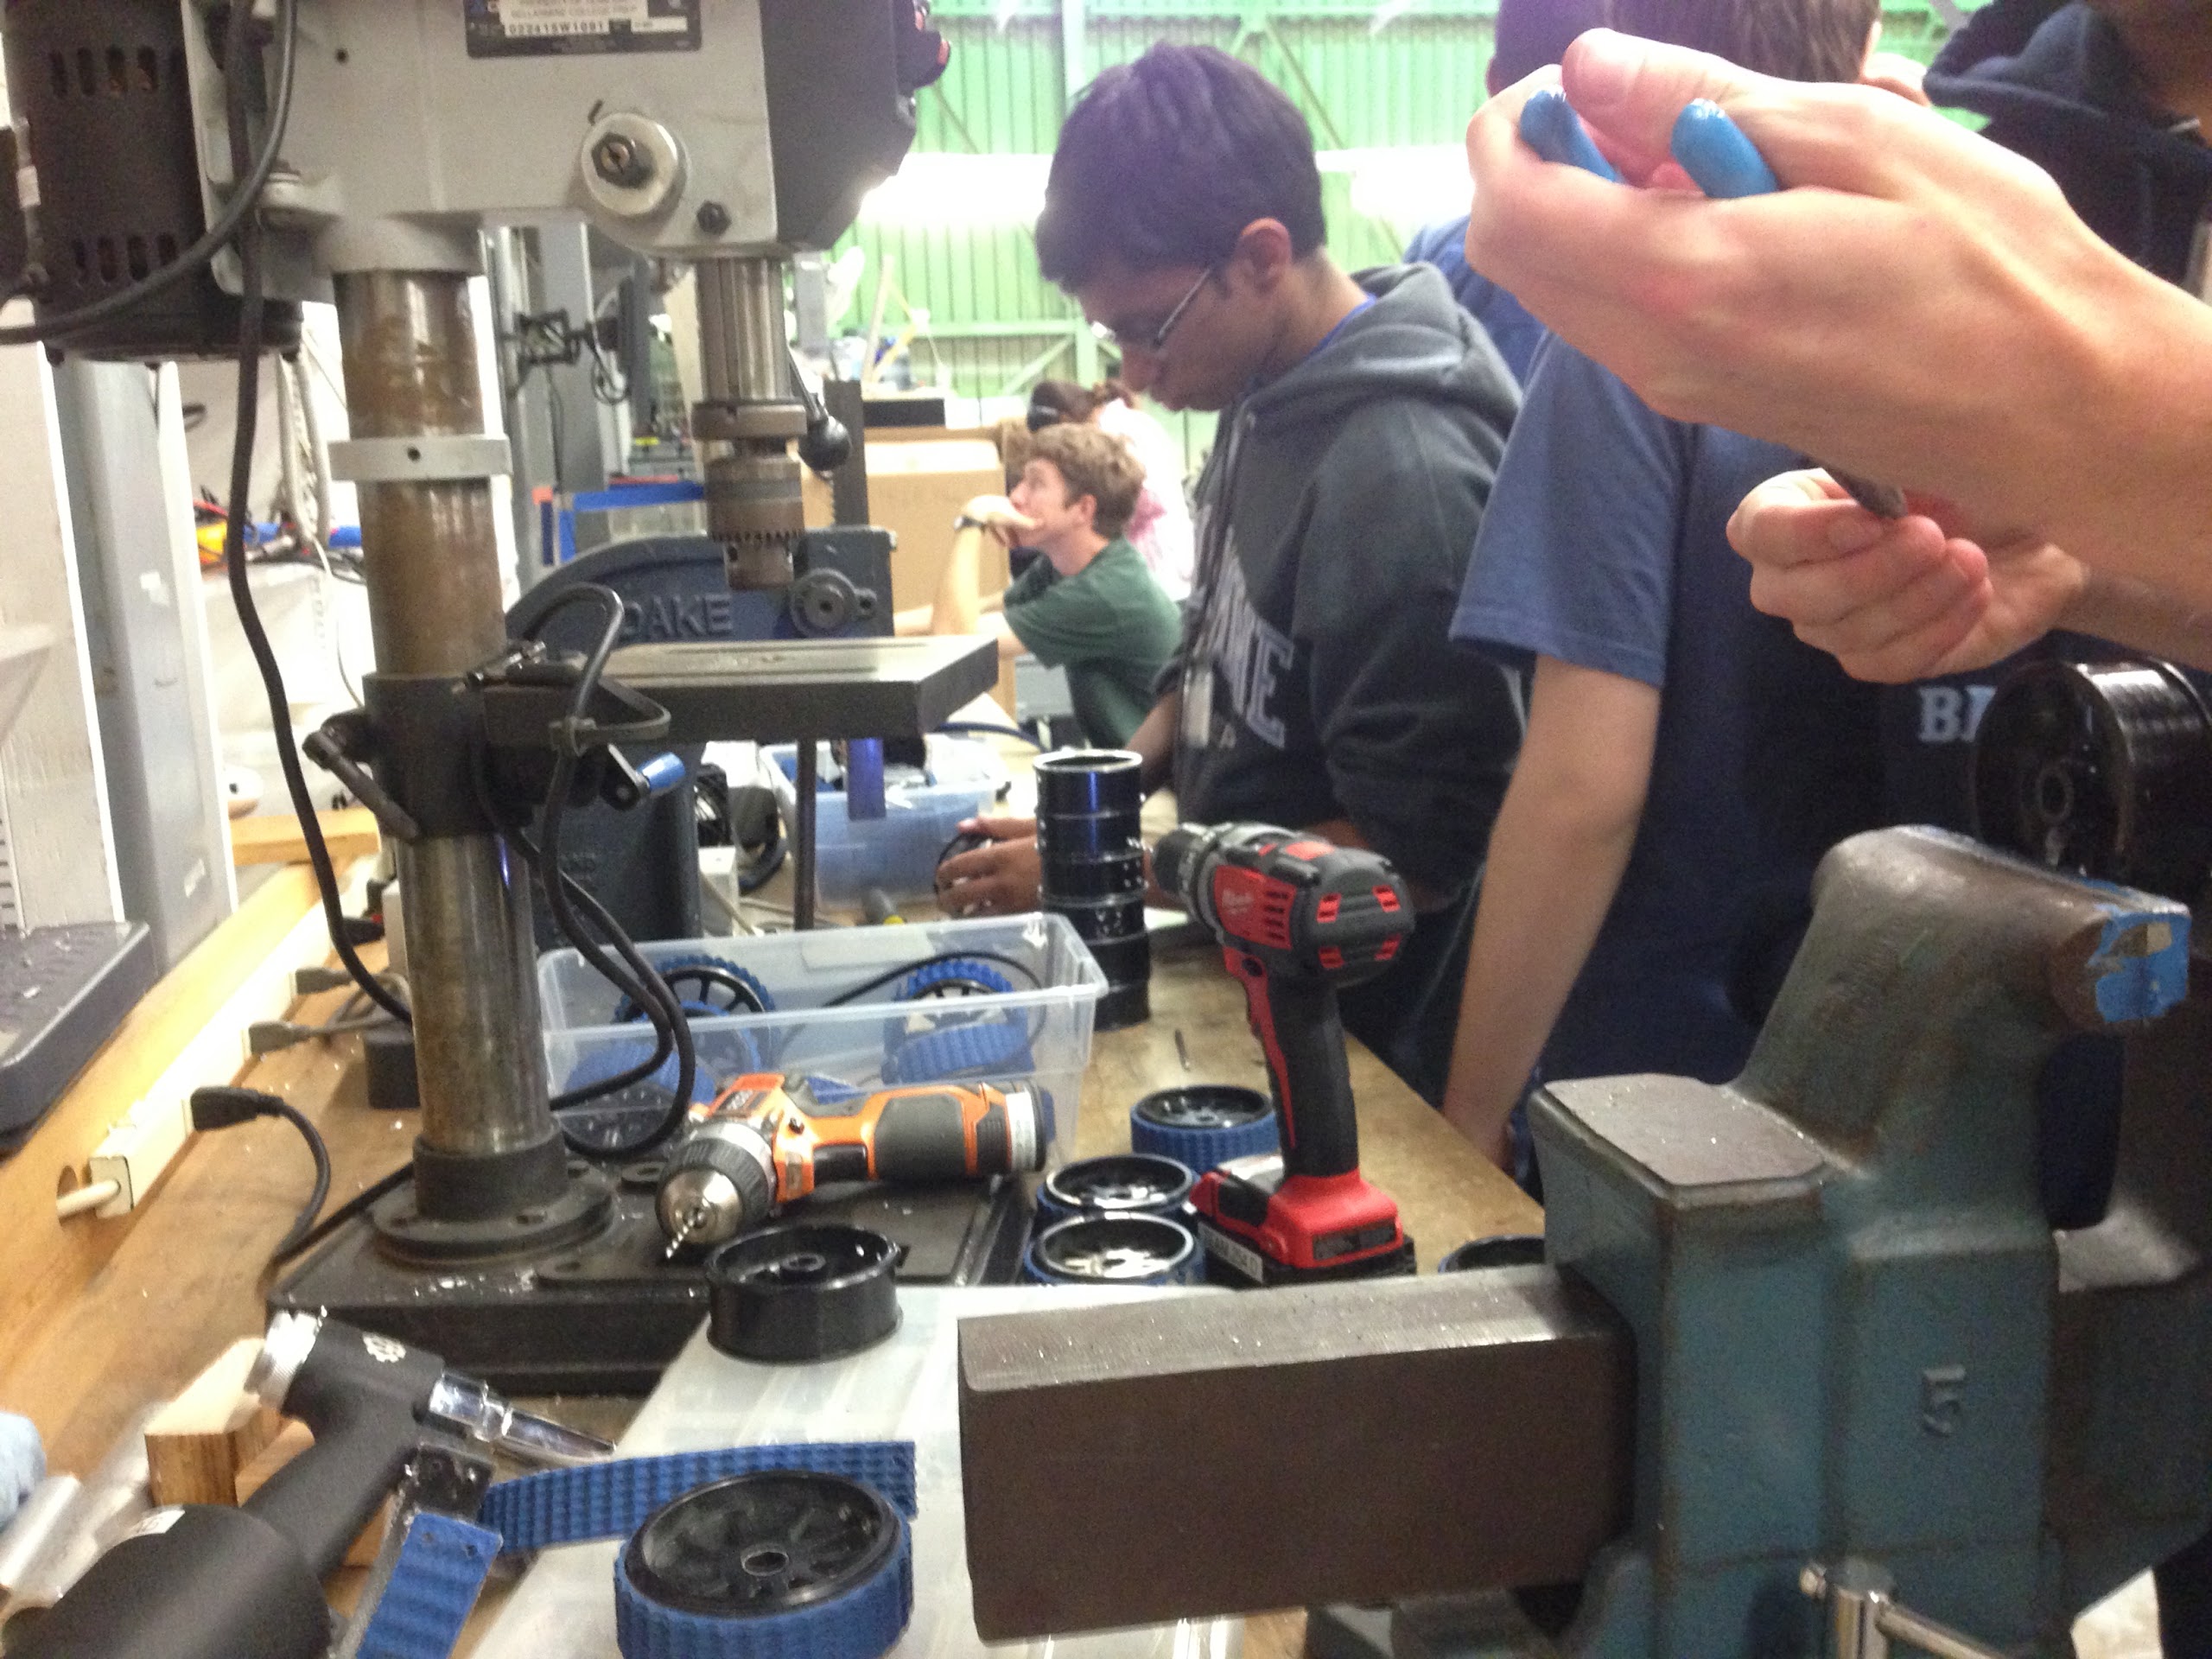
column 1180, row 858
column 721, row 1181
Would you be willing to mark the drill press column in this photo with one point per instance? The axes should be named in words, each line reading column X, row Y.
column 435, row 610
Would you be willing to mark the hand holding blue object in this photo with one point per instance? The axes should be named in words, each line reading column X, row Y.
column 1721, row 160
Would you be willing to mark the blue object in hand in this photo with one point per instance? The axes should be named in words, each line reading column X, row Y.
column 1715, row 151
column 22, row 1464
column 1550, row 127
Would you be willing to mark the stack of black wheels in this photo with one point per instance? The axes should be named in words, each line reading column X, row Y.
column 1088, row 801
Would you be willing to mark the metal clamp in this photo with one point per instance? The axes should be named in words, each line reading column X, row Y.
column 1865, row 1619
column 425, row 460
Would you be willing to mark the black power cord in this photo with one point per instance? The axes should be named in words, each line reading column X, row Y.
column 251, row 313
column 565, row 896
column 250, row 171
column 222, row 1107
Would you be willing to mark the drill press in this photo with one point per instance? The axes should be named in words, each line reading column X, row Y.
column 373, row 142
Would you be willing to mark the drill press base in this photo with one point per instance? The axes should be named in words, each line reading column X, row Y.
column 608, row 1314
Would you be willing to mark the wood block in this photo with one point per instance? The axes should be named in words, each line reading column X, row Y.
column 294, row 1438
column 275, row 838
column 196, row 1444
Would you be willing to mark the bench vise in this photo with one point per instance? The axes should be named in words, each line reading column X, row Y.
column 1815, row 1319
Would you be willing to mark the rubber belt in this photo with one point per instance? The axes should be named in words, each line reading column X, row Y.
column 442, row 1564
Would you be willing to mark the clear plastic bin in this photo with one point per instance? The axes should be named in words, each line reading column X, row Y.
column 898, row 852
column 1040, row 1030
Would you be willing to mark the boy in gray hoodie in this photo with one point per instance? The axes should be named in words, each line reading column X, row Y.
column 1361, row 422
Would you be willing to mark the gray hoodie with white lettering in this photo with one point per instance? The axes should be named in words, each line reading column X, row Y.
column 1335, row 520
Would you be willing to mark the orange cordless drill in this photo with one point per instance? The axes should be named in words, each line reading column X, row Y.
column 765, row 1141
column 1297, row 917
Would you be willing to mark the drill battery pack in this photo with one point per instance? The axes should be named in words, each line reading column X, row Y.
column 1259, row 1226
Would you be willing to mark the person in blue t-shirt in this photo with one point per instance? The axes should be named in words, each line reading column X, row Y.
column 1688, row 760
column 1530, row 35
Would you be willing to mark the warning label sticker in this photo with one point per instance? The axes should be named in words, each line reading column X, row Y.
column 506, row 28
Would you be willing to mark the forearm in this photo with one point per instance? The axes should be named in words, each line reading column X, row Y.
column 2135, row 498
column 957, row 607
column 2143, row 618
column 1154, row 741
column 1550, row 880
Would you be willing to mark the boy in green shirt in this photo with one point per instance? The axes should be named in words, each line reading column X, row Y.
column 1089, row 605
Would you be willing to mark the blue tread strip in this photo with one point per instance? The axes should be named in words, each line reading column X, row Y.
column 613, row 1500
column 1204, row 1149
column 435, row 1583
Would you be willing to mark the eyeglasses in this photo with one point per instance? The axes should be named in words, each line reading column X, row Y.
column 1158, row 343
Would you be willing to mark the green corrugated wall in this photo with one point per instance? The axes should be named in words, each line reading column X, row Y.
column 1414, row 80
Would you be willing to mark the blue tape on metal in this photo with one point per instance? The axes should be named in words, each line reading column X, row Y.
column 2142, row 963
column 861, row 1623
column 613, row 1500
column 1716, row 153
column 441, row 1570
column 1551, row 128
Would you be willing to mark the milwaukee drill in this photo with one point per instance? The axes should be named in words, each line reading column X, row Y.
column 1297, row 918
column 763, row 1142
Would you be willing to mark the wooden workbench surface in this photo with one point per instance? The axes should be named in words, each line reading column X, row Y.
column 184, row 1280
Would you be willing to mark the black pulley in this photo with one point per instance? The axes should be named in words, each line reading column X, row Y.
column 1498, row 1250
column 2104, row 770
column 1204, row 1125
column 781, row 1562
column 1125, row 1185
column 1120, row 1250
column 802, row 1291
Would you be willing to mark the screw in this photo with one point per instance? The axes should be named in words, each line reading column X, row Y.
column 714, row 218
column 620, row 160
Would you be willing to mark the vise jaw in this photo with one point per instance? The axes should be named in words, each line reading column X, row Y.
column 1854, row 1334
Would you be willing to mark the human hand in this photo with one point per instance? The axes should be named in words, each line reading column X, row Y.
column 1000, row 515
column 1903, row 599
column 1002, row 878
column 1932, row 315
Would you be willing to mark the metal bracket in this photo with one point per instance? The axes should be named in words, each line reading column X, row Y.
column 421, row 459
column 1865, row 1619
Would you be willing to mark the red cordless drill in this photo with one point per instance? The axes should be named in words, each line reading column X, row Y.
column 1297, row 918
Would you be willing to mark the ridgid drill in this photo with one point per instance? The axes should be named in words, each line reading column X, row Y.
column 765, row 1141
column 1297, row 918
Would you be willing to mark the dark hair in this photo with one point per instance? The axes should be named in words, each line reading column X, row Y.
column 1164, row 161
column 1097, row 464
column 1796, row 40
column 1531, row 34
column 1063, row 400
